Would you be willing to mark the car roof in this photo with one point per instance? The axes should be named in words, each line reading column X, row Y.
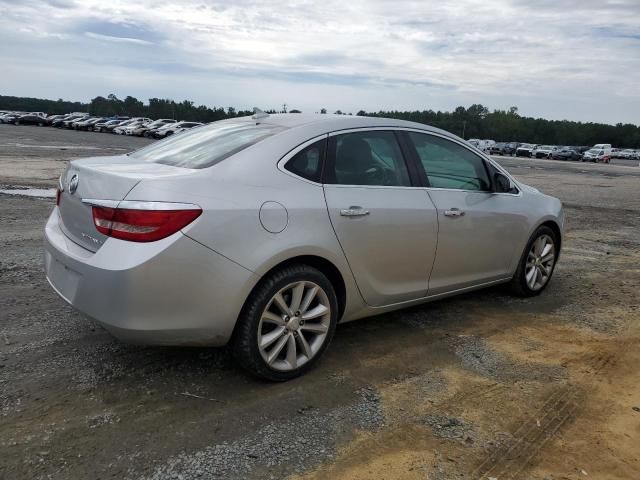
column 333, row 122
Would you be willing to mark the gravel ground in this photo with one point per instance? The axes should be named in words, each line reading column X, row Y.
column 481, row 385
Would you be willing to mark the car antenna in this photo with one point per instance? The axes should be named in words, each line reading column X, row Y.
column 258, row 115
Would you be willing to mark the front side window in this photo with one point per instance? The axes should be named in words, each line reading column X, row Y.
column 307, row 163
column 366, row 158
column 205, row 146
column 449, row 165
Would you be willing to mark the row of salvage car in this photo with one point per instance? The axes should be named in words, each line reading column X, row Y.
column 601, row 152
column 121, row 125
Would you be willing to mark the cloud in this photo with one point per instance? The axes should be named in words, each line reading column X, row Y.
column 556, row 58
column 110, row 38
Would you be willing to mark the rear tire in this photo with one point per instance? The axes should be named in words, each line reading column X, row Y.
column 537, row 264
column 270, row 344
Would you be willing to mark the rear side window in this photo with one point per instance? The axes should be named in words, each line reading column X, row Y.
column 205, row 146
column 449, row 165
column 307, row 163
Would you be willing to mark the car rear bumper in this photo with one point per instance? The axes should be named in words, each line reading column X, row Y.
column 171, row 292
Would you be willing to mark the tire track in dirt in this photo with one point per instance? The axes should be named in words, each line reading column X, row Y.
column 509, row 460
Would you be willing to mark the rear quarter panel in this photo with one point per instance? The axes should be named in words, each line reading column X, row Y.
column 231, row 194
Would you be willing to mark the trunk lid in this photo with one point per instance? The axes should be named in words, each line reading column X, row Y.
column 101, row 178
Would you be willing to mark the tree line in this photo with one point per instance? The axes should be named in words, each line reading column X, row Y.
column 476, row 121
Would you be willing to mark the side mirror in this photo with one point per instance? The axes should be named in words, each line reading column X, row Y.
column 503, row 184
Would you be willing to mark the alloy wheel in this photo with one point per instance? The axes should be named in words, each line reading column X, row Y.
column 294, row 325
column 540, row 260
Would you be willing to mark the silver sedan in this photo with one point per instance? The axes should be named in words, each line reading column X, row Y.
column 265, row 232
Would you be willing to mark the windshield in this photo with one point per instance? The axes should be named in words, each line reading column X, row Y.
column 205, row 146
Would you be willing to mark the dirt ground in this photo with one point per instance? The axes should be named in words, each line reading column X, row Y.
column 480, row 386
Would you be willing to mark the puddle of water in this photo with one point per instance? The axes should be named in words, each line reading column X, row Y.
column 30, row 192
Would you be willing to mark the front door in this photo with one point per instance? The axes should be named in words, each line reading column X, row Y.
column 479, row 231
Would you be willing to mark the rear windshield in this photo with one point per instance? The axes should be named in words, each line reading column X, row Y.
column 207, row 145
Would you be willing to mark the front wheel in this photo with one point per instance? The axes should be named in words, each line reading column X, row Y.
column 286, row 324
column 536, row 264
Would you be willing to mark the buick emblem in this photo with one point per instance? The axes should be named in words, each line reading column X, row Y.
column 73, row 184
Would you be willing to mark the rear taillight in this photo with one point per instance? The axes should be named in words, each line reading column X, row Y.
column 147, row 224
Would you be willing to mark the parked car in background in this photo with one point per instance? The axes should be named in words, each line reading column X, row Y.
column 122, row 124
column 143, row 129
column 488, row 144
column 60, row 122
column 134, row 127
column 121, row 129
column 258, row 232
column 80, row 121
column 152, row 133
column 53, row 118
column 100, row 126
column 543, row 151
column 87, row 123
column 525, row 149
column 503, row 148
column 113, row 124
column 581, row 149
column 482, row 145
column 68, row 123
column 566, row 153
column 10, row 117
column 626, row 154
column 173, row 128
column 36, row 118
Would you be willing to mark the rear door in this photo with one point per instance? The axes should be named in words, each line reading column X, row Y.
column 479, row 231
column 387, row 227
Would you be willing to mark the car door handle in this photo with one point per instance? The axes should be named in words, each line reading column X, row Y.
column 454, row 212
column 354, row 211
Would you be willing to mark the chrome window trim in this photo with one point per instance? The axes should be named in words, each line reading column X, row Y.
column 475, row 151
column 341, row 185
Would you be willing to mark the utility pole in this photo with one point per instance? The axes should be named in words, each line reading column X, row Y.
column 284, row 108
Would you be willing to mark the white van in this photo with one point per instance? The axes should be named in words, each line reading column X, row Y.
column 600, row 152
column 481, row 144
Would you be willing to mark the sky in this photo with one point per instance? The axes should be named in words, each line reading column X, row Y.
column 556, row 59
